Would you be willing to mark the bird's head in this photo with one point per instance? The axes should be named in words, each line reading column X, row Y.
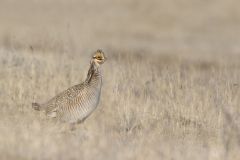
column 98, row 57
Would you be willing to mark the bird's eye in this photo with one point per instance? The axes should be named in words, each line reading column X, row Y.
column 99, row 58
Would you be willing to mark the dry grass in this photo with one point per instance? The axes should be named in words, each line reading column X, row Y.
column 171, row 84
column 152, row 107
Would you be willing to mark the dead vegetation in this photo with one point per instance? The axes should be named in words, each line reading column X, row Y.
column 148, row 109
column 171, row 82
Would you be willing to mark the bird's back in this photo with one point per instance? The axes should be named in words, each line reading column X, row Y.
column 76, row 103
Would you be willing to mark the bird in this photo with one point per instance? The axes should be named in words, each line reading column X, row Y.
column 78, row 102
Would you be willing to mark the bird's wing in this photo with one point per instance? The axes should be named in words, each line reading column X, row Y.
column 64, row 98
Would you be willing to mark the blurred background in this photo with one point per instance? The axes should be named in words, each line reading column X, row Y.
column 170, row 84
column 156, row 26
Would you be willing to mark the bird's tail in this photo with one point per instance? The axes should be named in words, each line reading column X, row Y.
column 36, row 106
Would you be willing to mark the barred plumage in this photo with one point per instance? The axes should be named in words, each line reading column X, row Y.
column 78, row 102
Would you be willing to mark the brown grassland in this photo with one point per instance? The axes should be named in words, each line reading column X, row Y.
column 171, row 84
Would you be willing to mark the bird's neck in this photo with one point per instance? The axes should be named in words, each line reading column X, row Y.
column 94, row 74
